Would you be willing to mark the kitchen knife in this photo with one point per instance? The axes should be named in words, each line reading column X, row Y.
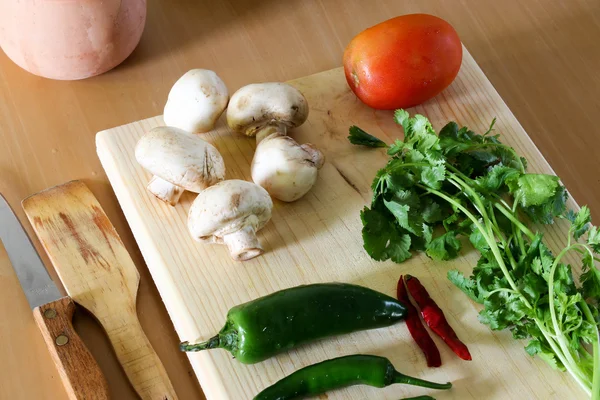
column 52, row 312
column 99, row 274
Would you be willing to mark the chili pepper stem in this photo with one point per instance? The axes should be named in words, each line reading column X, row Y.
column 409, row 380
column 212, row 343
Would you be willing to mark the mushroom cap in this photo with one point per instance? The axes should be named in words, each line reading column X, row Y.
column 180, row 157
column 284, row 168
column 256, row 105
column 196, row 101
column 228, row 207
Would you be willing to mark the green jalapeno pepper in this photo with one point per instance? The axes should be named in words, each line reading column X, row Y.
column 261, row 328
column 338, row 373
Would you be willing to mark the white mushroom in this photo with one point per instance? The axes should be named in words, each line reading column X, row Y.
column 179, row 161
column 231, row 212
column 262, row 105
column 196, row 101
column 284, row 168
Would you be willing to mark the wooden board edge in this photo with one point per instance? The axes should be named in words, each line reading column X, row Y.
column 203, row 364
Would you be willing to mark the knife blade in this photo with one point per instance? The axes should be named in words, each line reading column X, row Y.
column 53, row 313
column 35, row 281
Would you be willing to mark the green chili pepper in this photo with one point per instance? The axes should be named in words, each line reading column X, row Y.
column 261, row 328
column 338, row 373
column 419, row 398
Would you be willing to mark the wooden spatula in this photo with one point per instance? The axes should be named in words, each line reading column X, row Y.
column 99, row 274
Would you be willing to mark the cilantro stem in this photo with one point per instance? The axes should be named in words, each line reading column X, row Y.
column 519, row 236
column 507, row 290
column 511, row 258
column 474, row 197
column 514, row 220
column 404, row 165
column 496, row 228
column 518, row 232
column 595, row 350
column 586, row 251
column 557, row 344
column 575, row 374
column 560, row 337
column 492, row 243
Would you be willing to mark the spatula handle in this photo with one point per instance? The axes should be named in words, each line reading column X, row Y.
column 79, row 372
column 135, row 353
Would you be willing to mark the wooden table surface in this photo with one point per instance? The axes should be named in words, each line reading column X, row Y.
column 541, row 55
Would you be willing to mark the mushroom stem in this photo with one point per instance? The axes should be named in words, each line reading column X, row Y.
column 271, row 130
column 164, row 190
column 243, row 244
column 316, row 155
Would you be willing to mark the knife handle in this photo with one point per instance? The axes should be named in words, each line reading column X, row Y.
column 78, row 370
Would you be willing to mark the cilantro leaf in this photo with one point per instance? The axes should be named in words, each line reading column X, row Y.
column 395, row 147
column 478, row 240
column 431, row 211
column 534, row 189
column 444, row 247
column 467, row 285
column 454, row 141
column 533, row 287
column 581, row 222
column 590, row 282
column 418, row 132
column 359, row 137
column 404, row 208
column 427, row 234
column 535, row 347
column 402, row 118
column 496, row 178
column 593, row 239
column 546, row 212
column 433, row 176
column 382, row 240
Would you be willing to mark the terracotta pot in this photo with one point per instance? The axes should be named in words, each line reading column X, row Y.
column 70, row 39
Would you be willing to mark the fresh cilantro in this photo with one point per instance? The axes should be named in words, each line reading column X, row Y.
column 543, row 351
column 495, row 179
column 590, row 282
column 462, row 184
column 444, row 247
column 546, row 213
column 382, row 239
column 396, row 147
column 467, row 285
column 594, row 239
column 533, row 189
column 581, row 223
column 406, row 217
column 358, row 136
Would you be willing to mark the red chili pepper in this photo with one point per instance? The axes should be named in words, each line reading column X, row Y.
column 435, row 319
column 417, row 329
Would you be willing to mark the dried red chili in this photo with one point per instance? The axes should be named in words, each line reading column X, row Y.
column 417, row 329
column 435, row 319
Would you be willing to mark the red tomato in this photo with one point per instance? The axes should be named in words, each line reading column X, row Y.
column 403, row 61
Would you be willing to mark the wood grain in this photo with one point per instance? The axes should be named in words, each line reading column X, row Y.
column 81, row 375
column 98, row 273
column 541, row 56
column 318, row 239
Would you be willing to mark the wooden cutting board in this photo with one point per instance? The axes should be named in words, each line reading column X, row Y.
column 318, row 239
